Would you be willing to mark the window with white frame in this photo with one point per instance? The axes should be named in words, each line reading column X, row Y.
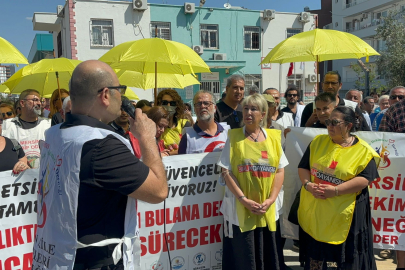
column 209, row 36
column 214, row 87
column 291, row 32
column 101, row 33
column 163, row 30
column 252, row 38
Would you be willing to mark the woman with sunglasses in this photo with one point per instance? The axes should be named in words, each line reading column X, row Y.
column 171, row 101
column 334, row 212
column 7, row 111
column 252, row 162
column 56, row 106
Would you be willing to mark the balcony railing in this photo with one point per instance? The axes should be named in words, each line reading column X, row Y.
column 375, row 22
column 355, row 2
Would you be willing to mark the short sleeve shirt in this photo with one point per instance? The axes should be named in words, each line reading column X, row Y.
column 224, row 113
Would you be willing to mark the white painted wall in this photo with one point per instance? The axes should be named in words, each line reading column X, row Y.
column 274, row 32
column 127, row 24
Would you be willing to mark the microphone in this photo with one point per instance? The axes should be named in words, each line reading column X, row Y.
column 127, row 107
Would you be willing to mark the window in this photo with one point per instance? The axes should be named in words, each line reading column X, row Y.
column 252, row 38
column 252, row 79
column 381, row 46
column 163, row 30
column 214, row 87
column 101, row 33
column 349, row 27
column 209, row 36
column 291, row 32
column 59, row 43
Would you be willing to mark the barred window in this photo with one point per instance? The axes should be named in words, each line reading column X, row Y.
column 209, row 36
column 163, row 30
column 252, row 37
column 291, row 32
column 101, row 33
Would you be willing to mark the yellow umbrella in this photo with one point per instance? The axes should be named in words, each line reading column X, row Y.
column 44, row 76
column 130, row 94
column 155, row 55
column 319, row 45
column 147, row 80
column 9, row 54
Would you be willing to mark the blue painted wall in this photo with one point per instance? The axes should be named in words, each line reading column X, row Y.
column 42, row 43
column 185, row 28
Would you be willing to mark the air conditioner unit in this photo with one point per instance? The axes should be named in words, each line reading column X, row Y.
column 189, row 8
column 312, row 78
column 269, row 14
column 220, row 56
column 365, row 15
column 304, row 17
column 198, row 49
column 140, row 5
column 59, row 11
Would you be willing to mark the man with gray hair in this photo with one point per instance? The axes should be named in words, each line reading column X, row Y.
column 28, row 128
column 396, row 94
column 356, row 96
column 253, row 90
column 229, row 109
column 206, row 135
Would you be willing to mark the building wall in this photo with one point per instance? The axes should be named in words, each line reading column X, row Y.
column 275, row 31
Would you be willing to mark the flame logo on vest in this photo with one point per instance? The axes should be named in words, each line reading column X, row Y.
column 43, row 190
column 259, row 169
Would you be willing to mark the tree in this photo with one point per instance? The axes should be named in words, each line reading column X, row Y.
column 391, row 63
column 360, row 83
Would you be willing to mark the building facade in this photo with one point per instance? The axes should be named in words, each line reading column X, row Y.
column 6, row 71
column 230, row 40
column 361, row 18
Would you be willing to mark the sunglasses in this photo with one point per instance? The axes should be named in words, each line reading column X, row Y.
column 205, row 103
column 333, row 122
column 292, row 95
column 7, row 113
column 236, row 116
column 119, row 88
column 172, row 103
column 400, row 97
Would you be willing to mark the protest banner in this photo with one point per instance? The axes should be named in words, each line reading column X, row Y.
column 18, row 219
column 386, row 193
column 193, row 221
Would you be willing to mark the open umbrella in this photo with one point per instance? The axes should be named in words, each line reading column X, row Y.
column 44, row 76
column 147, row 80
column 9, row 54
column 319, row 45
column 155, row 55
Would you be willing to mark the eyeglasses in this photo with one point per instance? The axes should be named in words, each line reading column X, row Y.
column 172, row 103
column 119, row 88
column 33, row 99
column 393, row 97
column 332, row 83
column 334, row 122
column 292, row 95
column 7, row 113
column 205, row 103
column 235, row 114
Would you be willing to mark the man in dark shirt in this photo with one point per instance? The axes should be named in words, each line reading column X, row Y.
column 332, row 83
column 229, row 109
column 108, row 172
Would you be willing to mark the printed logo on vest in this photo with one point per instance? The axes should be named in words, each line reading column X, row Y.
column 260, row 169
column 324, row 175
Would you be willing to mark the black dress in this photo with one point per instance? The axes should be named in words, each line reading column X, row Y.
column 356, row 253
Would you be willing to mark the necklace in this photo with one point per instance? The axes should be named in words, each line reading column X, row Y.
column 346, row 144
column 257, row 137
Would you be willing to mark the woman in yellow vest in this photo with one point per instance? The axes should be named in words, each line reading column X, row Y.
column 171, row 101
column 253, row 169
column 334, row 212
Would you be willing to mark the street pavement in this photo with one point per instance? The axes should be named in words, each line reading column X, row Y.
column 291, row 259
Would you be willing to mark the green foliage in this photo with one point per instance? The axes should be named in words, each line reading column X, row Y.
column 360, row 83
column 391, row 63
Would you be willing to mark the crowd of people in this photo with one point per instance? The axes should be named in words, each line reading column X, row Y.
column 119, row 158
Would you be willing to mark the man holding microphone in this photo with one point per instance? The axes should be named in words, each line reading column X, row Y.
column 90, row 179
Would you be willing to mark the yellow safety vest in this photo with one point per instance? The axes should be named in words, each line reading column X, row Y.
column 172, row 136
column 255, row 164
column 329, row 220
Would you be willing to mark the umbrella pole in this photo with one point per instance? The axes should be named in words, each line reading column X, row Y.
column 155, row 101
column 317, row 77
column 60, row 96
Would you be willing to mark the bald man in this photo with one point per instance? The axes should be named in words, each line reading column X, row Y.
column 92, row 180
